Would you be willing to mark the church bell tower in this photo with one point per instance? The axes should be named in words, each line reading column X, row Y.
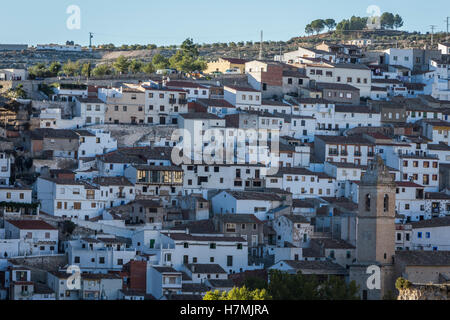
column 376, row 215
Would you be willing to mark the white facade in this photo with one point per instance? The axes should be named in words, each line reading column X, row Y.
column 99, row 255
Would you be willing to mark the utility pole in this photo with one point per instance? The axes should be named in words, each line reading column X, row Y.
column 447, row 20
column 281, row 53
column 432, row 34
column 261, row 46
column 91, row 36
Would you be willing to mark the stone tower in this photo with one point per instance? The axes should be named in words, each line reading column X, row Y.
column 375, row 230
column 376, row 215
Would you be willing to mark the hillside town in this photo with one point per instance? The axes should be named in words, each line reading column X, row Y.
column 331, row 160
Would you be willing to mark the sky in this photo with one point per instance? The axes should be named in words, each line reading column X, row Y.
column 206, row 21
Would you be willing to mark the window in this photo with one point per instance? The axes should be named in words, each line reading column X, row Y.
column 367, row 202
column 76, row 260
column 419, row 235
column 212, row 246
column 229, row 261
column 77, row 205
column 386, row 203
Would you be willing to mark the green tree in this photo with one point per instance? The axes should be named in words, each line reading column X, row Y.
column 38, row 71
column 68, row 227
column 387, row 20
column 102, row 70
column 354, row 23
column 284, row 286
column 336, row 289
column 330, row 24
column 253, row 283
column 148, row 68
column 187, row 58
column 398, row 21
column 135, row 66
column 189, row 48
column 86, row 69
column 308, row 29
column 160, row 62
column 238, row 294
column 71, row 68
column 54, row 68
column 318, row 25
column 121, row 64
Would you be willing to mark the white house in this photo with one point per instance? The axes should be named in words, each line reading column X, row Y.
column 293, row 229
column 91, row 110
column 42, row 237
column 246, row 202
column 100, row 254
column 244, row 98
column 432, row 234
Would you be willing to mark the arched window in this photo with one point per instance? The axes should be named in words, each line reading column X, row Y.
column 367, row 202
column 386, row 203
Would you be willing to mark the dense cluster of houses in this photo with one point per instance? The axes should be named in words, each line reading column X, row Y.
column 324, row 160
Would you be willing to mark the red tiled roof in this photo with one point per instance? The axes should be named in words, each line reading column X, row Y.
column 31, row 224
column 408, row 184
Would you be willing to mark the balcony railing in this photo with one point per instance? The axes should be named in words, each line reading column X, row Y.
column 358, row 154
column 172, row 101
column 344, row 153
column 182, row 101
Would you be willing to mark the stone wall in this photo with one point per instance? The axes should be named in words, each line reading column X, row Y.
column 425, row 292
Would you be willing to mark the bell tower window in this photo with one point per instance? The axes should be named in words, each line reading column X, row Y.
column 367, row 202
column 386, row 203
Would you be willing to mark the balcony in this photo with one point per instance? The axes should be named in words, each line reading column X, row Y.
column 344, row 153
column 370, row 154
column 120, row 195
column 172, row 101
column 182, row 101
column 358, row 154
